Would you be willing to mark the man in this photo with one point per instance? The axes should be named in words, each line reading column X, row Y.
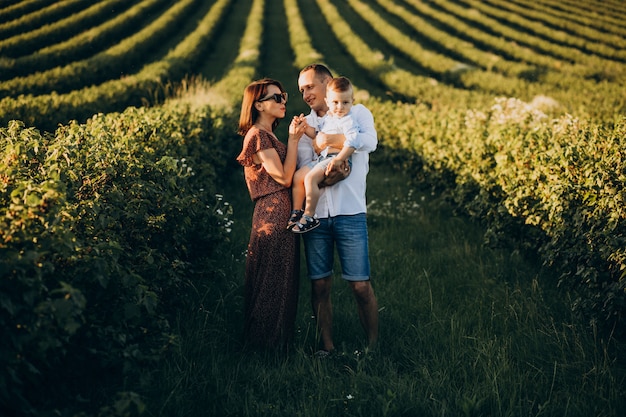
column 341, row 211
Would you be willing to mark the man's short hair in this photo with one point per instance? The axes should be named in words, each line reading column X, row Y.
column 321, row 71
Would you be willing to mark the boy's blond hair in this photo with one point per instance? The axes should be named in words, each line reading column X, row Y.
column 339, row 84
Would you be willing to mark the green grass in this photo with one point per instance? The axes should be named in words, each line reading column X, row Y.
column 465, row 330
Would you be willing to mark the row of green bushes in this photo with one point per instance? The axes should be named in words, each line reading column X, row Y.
column 110, row 63
column 579, row 39
column 398, row 80
column 499, row 74
column 46, row 111
column 509, row 40
column 107, row 229
column 17, row 8
column 599, row 15
column 41, row 16
column 28, row 42
column 569, row 19
column 465, row 86
column 459, row 22
column 473, row 88
column 445, row 67
column 83, row 44
column 555, row 186
column 426, row 26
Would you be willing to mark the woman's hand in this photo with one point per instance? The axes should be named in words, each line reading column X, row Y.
column 298, row 126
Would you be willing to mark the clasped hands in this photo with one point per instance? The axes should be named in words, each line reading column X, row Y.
column 298, row 126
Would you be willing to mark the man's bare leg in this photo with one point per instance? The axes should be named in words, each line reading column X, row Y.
column 367, row 306
column 323, row 310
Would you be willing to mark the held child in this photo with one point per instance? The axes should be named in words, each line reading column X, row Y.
column 307, row 179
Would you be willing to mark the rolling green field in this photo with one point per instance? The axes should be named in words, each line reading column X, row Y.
column 496, row 207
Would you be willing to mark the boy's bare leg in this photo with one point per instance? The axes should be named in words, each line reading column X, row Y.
column 298, row 193
column 311, row 183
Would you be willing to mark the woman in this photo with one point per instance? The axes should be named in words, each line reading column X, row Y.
column 272, row 264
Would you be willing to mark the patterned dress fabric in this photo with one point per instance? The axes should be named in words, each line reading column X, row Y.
column 272, row 263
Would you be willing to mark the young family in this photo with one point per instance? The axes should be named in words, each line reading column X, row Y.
column 314, row 186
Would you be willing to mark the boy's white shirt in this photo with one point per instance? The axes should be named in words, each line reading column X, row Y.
column 347, row 197
column 346, row 124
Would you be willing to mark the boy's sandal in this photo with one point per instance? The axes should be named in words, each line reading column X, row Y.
column 294, row 219
column 311, row 223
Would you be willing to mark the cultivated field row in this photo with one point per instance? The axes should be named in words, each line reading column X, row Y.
column 587, row 23
column 78, row 47
column 50, row 34
column 41, row 16
column 499, row 114
column 431, row 51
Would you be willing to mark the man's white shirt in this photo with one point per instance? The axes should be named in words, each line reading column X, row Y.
column 347, row 197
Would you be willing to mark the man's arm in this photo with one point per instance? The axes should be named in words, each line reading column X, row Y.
column 367, row 138
column 333, row 140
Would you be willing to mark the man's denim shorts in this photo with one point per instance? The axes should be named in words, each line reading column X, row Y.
column 349, row 233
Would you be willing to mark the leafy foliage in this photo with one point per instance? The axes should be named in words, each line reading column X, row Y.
column 106, row 231
column 110, row 228
column 553, row 185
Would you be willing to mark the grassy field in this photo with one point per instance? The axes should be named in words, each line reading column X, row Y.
column 465, row 330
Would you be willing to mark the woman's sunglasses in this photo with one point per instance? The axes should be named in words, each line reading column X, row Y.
column 278, row 98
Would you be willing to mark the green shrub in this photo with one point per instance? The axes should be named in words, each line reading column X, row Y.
column 553, row 185
column 108, row 228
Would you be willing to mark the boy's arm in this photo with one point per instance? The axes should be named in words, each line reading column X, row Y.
column 345, row 153
column 312, row 133
column 339, row 162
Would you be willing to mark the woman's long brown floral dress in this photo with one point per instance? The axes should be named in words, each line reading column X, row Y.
column 272, row 264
